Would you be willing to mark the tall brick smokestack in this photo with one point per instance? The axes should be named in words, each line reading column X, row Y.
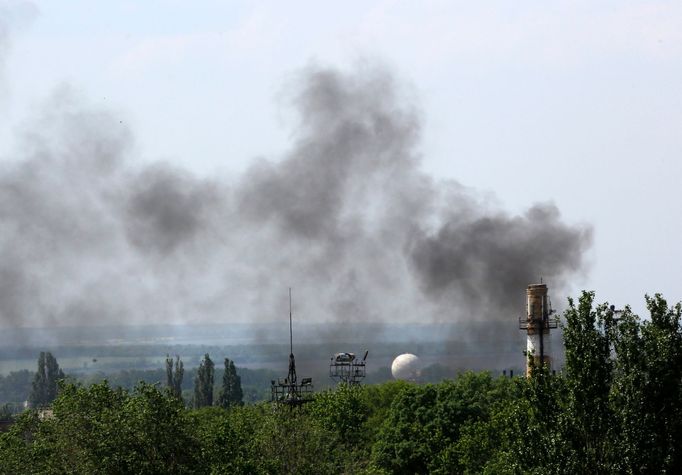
column 537, row 325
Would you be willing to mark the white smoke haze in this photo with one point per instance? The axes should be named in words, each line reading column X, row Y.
column 91, row 234
column 14, row 16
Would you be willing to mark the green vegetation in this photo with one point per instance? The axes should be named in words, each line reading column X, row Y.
column 174, row 374
column 616, row 408
column 44, row 388
column 16, row 386
column 203, row 383
column 231, row 393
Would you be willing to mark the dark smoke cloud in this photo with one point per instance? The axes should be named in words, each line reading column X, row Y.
column 166, row 208
column 479, row 261
column 346, row 217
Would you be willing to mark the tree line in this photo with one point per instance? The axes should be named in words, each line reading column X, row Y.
column 46, row 380
column 615, row 408
column 231, row 393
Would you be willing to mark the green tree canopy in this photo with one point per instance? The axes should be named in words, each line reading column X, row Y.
column 231, row 393
column 44, row 388
column 100, row 430
column 615, row 408
column 174, row 373
column 203, row 383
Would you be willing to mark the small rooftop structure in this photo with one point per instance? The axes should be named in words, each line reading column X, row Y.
column 346, row 368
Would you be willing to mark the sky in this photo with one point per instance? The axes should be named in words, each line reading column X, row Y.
column 578, row 103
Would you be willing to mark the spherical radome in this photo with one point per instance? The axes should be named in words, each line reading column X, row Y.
column 406, row 366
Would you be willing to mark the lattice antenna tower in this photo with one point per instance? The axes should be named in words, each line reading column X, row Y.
column 288, row 390
column 347, row 368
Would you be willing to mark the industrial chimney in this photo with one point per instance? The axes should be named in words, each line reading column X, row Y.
column 537, row 325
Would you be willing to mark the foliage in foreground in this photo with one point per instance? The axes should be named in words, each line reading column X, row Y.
column 617, row 408
column 44, row 387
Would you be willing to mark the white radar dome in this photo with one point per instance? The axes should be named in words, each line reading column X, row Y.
column 406, row 366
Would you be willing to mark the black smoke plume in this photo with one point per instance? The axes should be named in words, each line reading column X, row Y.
column 90, row 235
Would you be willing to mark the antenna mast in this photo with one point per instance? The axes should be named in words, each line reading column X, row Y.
column 289, row 390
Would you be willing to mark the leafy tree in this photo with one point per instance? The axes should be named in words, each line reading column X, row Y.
column 616, row 408
column 290, row 441
column 174, row 375
column 231, row 393
column 647, row 390
column 229, row 441
column 424, row 422
column 342, row 411
column 100, row 430
column 587, row 415
column 539, row 444
column 494, row 445
column 378, row 399
column 44, row 388
column 203, row 383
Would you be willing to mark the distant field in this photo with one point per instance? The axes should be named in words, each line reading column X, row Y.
column 147, row 349
column 307, row 361
column 258, row 363
column 86, row 363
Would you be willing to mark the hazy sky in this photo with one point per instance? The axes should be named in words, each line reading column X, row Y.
column 575, row 103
